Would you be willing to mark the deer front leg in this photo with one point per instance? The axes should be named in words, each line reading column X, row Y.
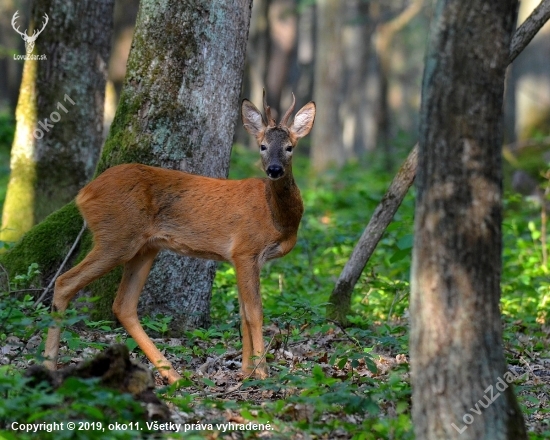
column 250, row 301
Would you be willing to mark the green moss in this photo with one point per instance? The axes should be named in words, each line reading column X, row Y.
column 151, row 126
column 146, row 128
column 125, row 143
column 46, row 244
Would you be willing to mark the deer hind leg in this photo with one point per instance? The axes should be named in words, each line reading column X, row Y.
column 250, row 301
column 125, row 309
column 96, row 264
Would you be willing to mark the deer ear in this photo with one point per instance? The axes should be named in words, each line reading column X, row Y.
column 252, row 118
column 303, row 121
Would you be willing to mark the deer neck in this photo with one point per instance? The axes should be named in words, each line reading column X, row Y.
column 285, row 202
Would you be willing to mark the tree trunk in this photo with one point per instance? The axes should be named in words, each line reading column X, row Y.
column 327, row 147
column 358, row 122
column 10, row 72
column 282, row 41
column 59, row 114
column 177, row 110
column 385, row 35
column 257, row 56
column 460, row 382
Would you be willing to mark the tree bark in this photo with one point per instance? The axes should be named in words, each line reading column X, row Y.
column 59, row 113
column 177, row 110
column 457, row 362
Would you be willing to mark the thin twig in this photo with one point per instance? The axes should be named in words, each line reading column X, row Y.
column 261, row 359
column 543, row 221
column 396, row 299
column 62, row 265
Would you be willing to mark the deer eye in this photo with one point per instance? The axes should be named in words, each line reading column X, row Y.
column 289, row 149
column 263, row 147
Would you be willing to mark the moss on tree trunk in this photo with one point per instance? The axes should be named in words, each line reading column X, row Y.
column 47, row 243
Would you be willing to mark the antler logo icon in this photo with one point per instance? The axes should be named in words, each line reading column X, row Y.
column 29, row 39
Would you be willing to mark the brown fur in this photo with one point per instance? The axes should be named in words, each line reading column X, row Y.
column 135, row 210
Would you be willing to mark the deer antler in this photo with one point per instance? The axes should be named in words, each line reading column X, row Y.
column 267, row 111
column 16, row 29
column 289, row 111
column 35, row 34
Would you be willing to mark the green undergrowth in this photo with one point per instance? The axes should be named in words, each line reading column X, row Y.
column 325, row 382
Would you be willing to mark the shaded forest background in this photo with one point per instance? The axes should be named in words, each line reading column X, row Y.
column 361, row 61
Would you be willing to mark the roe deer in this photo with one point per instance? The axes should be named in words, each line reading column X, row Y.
column 134, row 211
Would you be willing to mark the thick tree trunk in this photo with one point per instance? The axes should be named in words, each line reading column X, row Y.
column 460, row 382
column 59, row 114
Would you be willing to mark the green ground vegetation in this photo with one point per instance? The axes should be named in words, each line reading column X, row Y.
column 325, row 382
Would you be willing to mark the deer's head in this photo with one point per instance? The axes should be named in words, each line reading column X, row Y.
column 277, row 141
column 29, row 39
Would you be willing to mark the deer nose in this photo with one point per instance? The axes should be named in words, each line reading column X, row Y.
column 275, row 171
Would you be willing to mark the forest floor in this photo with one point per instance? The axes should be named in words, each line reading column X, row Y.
column 322, row 384
column 325, row 382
